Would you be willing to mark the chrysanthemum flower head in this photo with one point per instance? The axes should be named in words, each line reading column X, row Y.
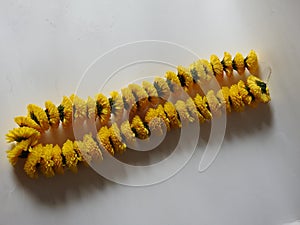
column 71, row 156
column 216, row 66
column 207, row 69
column 214, row 104
column 140, row 96
column 259, row 89
column 25, row 121
column 91, row 109
column 128, row 98
column 103, row 109
column 252, row 62
column 245, row 95
column 65, row 110
column 173, row 82
column 139, row 128
column 236, row 99
column 154, row 122
column 57, row 159
column 127, row 133
column 90, row 149
column 79, row 109
column 116, row 139
column 18, row 150
column 161, row 114
column 162, row 88
column 192, row 110
column 152, row 93
column 199, row 72
column 227, row 62
column 224, row 98
column 172, row 115
column 47, row 162
column 33, row 161
column 238, row 63
column 183, row 112
column 23, row 133
column 52, row 114
column 116, row 105
column 37, row 114
column 202, row 106
column 104, row 137
column 185, row 78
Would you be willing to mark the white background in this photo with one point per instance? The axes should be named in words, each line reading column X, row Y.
column 46, row 45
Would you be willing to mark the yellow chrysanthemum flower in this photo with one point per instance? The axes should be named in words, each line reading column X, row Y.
column 25, row 121
column 22, row 133
column 149, row 88
column 172, row 115
column 91, row 108
column 86, row 157
column 89, row 148
column 236, row 99
column 244, row 92
column 184, row 76
column 128, row 98
column 161, row 114
column 198, row 71
column 214, row 104
column 17, row 151
column 140, row 95
column 192, row 110
column 52, row 114
column 104, row 137
column 239, row 63
column 127, row 133
column 252, row 62
column 162, row 88
column 223, row 96
column 116, row 139
column 103, row 109
column 227, row 62
column 138, row 91
column 154, row 122
column 202, row 106
column 33, row 161
column 47, row 163
column 116, row 105
column 207, row 69
column 138, row 127
column 38, row 115
column 173, row 82
column 216, row 66
column 79, row 109
column 259, row 89
column 152, row 93
column 183, row 112
column 70, row 155
column 57, row 159
column 65, row 111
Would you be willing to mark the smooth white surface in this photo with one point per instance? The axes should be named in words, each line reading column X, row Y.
column 44, row 49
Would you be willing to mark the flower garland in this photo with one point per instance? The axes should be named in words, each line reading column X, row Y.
column 147, row 107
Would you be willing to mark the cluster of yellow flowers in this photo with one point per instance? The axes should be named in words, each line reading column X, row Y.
column 147, row 107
